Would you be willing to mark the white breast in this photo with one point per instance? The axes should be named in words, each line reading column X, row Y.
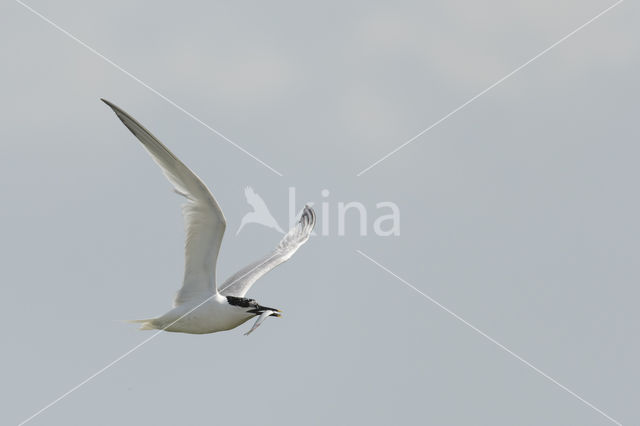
column 211, row 316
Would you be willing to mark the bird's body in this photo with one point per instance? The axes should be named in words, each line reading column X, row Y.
column 201, row 317
column 201, row 307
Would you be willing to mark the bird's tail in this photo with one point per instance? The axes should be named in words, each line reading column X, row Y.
column 146, row 324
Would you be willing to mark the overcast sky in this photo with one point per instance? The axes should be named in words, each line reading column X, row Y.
column 519, row 213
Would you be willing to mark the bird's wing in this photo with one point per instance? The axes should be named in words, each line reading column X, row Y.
column 204, row 221
column 240, row 282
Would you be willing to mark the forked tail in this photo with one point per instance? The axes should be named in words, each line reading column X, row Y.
column 146, row 324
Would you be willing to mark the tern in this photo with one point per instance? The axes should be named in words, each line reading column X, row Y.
column 201, row 306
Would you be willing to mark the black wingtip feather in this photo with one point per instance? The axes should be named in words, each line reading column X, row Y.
column 114, row 107
column 108, row 103
column 308, row 217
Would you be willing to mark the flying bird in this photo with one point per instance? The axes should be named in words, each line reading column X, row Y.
column 201, row 306
column 260, row 213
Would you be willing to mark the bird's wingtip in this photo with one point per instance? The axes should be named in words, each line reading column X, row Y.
column 308, row 217
column 110, row 104
column 308, row 210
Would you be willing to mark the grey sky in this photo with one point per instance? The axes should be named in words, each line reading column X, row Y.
column 519, row 213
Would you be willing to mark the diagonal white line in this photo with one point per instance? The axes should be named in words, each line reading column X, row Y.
column 491, row 339
column 88, row 379
column 119, row 68
column 130, row 351
column 488, row 88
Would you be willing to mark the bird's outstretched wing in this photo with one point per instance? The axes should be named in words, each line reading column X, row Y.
column 240, row 282
column 204, row 221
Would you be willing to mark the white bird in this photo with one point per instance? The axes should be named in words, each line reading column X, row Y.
column 260, row 213
column 201, row 306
